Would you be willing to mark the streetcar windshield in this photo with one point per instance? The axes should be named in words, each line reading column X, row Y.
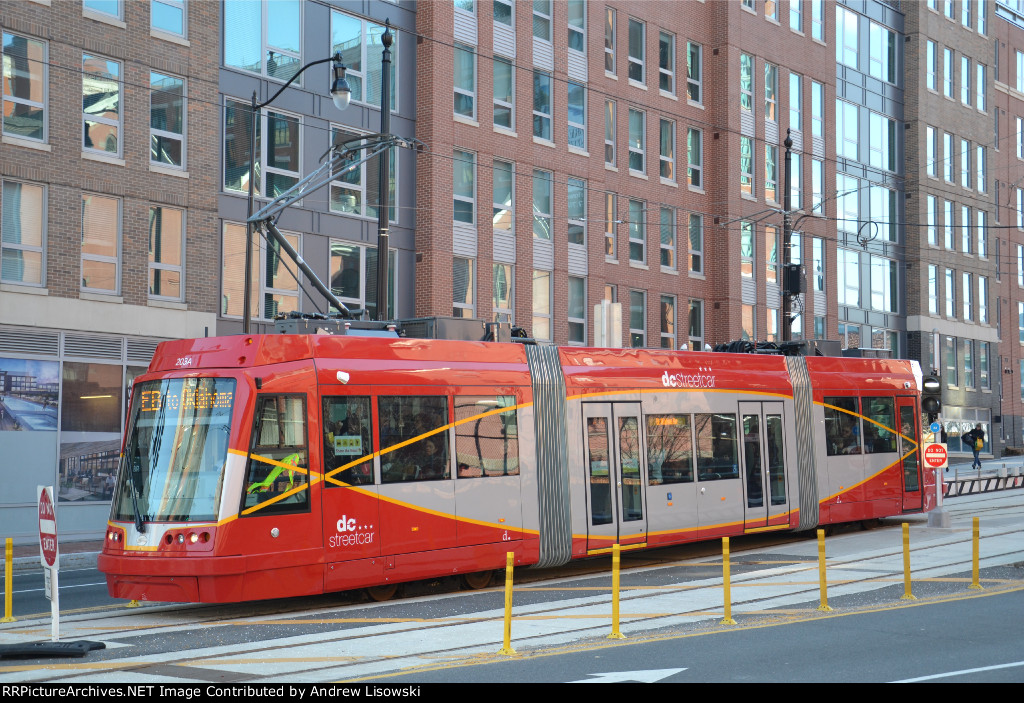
column 172, row 469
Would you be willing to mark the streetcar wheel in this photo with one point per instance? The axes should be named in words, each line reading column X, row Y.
column 478, row 579
column 382, row 593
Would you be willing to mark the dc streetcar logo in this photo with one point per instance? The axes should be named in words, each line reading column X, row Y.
column 350, row 533
column 701, row 379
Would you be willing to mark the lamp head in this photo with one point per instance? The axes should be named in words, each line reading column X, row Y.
column 341, row 92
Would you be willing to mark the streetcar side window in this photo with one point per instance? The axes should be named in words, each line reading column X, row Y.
column 347, row 439
column 419, row 425
column 277, row 479
column 842, row 425
column 716, row 446
column 879, row 438
column 669, row 449
column 486, row 436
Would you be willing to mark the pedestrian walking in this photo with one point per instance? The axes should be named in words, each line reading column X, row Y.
column 975, row 439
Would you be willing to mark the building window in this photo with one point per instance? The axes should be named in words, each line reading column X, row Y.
column 637, row 231
column 542, row 20
column 746, row 83
column 882, row 53
column 965, row 229
column 541, row 304
column 542, row 205
column 637, row 319
column 883, row 284
column 950, row 293
column 980, row 165
column 101, row 244
column 504, row 196
column 846, row 37
column 951, row 365
column 947, row 224
column 771, row 9
column 577, row 310
column 882, row 202
column 818, row 20
column 968, row 296
column 101, row 104
column 610, row 220
column 168, row 16
column 771, row 153
column 667, row 63
column 931, row 66
column 948, row 157
column 965, row 80
column 542, row 105
column 465, row 81
column 112, row 8
column 166, row 252
column 771, row 91
column 695, row 157
column 577, row 201
column 280, row 152
column 747, row 165
column 25, row 86
column 982, row 240
column 817, row 109
column 696, row 243
column 167, row 120
column 771, row 253
column 817, row 186
column 947, row 72
column 503, row 296
column 932, row 216
column 609, row 40
column 668, row 322
column 637, row 141
column 361, row 50
column 667, row 150
column 637, row 42
column 577, row 25
column 983, row 375
column 747, row 249
column 931, row 145
column 266, row 38
column 355, row 191
column 354, row 276
column 818, row 264
column 504, row 94
column 933, row 289
column 696, row 331
column 882, row 142
column 796, row 17
column 848, row 277
column 694, row 72
column 577, row 108
column 464, row 186
column 668, row 238
column 795, row 102
column 847, row 130
column 23, row 234
column 609, row 133
column 795, row 190
column 463, row 287
column 983, row 300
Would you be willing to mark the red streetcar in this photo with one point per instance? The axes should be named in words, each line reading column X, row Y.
column 282, row 465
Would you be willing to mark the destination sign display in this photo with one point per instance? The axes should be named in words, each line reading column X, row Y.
column 151, row 401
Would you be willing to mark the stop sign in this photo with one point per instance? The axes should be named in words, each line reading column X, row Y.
column 935, row 456
column 47, row 527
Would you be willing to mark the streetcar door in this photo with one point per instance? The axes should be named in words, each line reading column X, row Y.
column 616, row 474
column 910, row 453
column 763, row 462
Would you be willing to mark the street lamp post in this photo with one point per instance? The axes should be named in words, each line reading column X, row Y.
column 384, row 177
column 341, row 94
column 787, row 243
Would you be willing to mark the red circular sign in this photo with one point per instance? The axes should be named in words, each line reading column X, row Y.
column 934, row 456
column 47, row 528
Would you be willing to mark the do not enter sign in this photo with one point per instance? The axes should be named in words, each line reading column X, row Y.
column 935, row 456
column 47, row 527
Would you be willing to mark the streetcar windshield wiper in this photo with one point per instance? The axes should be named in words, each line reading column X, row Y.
column 135, row 479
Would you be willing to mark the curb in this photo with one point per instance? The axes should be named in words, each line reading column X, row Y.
column 77, row 560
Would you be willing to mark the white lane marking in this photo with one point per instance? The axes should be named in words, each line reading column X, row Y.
column 949, row 674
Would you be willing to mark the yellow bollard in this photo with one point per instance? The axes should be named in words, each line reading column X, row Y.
column 507, row 649
column 725, row 583
column 615, row 635
column 133, row 604
column 821, row 573
column 907, row 595
column 975, row 584
column 8, row 582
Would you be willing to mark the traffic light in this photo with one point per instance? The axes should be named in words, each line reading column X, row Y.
column 931, row 396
